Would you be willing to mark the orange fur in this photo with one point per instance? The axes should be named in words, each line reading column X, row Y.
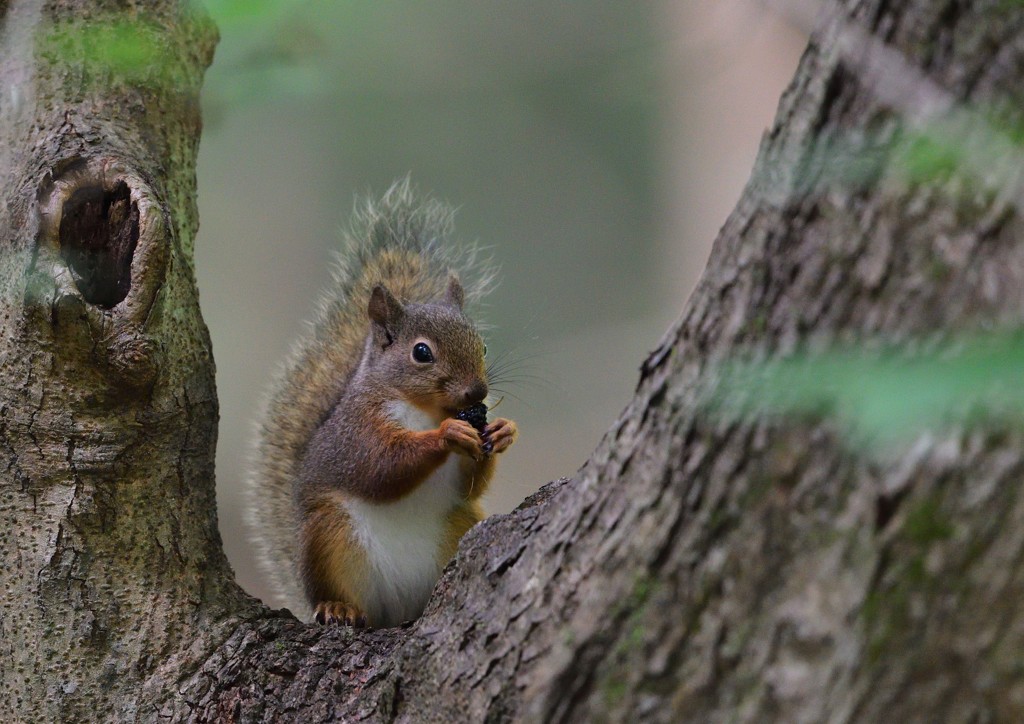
column 334, row 563
column 477, row 476
column 460, row 520
column 412, row 457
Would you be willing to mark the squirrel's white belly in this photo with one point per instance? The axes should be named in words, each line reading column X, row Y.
column 402, row 541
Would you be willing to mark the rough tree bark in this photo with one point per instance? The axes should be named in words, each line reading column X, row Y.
column 699, row 566
column 108, row 535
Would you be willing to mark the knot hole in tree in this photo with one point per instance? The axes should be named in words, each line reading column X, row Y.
column 99, row 229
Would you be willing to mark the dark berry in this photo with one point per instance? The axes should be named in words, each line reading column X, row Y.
column 475, row 415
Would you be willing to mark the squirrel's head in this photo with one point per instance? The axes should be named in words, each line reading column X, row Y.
column 431, row 353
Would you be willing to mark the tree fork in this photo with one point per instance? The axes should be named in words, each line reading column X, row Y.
column 699, row 566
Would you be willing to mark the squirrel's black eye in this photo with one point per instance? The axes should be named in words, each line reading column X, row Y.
column 421, row 353
column 485, row 349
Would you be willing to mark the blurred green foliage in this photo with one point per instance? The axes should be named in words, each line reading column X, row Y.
column 285, row 51
column 924, row 157
column 862, row 158
column 887, row 395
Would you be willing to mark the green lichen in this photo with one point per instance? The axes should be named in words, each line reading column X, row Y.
column 717, row 518
column 938, row 270
column 756, row 325
column 885, row 614
column 638, row 595
column 736, row 639
column 109, row 48
column 614, row 691
column 886, row 610
column 633, row 608
column 926, row 523
column 631, row 611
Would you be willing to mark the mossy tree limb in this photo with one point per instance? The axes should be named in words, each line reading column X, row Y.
column 110, row 550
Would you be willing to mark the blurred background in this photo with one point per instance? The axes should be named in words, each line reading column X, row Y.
column 594, row 147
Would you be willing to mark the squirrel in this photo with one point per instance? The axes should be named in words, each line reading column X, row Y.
column 364, row 479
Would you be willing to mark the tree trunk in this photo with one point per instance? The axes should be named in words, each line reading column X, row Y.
column 108, row 528
column 703, row 565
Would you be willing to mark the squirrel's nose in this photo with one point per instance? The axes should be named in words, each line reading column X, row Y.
column 476, row 392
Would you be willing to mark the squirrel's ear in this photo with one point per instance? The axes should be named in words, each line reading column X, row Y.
column 385, row 312
column 454, row 296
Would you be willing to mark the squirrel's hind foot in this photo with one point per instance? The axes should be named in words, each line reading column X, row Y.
column 339, row 612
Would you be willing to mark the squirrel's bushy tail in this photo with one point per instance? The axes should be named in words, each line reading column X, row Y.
column 402, row 242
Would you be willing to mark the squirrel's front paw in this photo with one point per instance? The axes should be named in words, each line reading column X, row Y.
column 462, row 437
column 339, row 612
column 500, row 434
